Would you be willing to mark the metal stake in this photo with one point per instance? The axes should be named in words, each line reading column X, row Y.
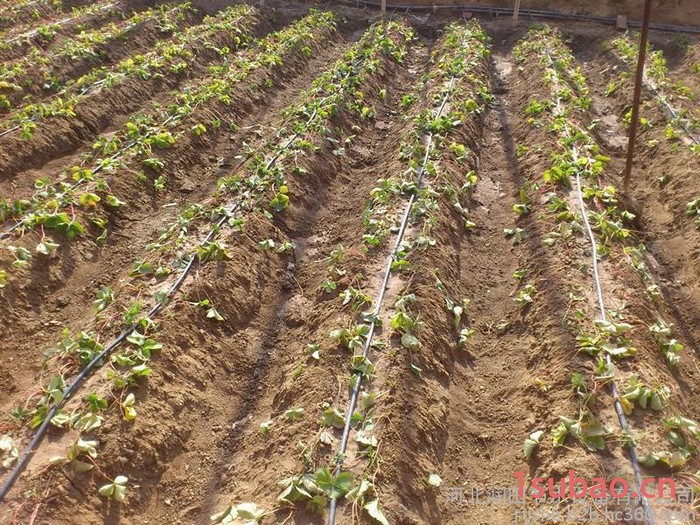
column 637, row 95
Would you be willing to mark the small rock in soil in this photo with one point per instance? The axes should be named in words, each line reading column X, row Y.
column 188, row 187
column 62, row 301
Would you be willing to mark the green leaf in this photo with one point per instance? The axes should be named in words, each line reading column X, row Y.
column 293, row 492
column 410, row 341
column 111, row 200
column 8, row 452
column 128, row 407
column 228, row 514
column 335, row 487
column 375, row 512
column 212, row 313
column 115, row 490
column 516, row 235
column 559, row 434
column 294, row 413
column 89, row 422
column 531, row 442
column 47, row 247
column 265, row 427
column 332, row 417
column 366, row 440
column 434, row 480
column 250, row 511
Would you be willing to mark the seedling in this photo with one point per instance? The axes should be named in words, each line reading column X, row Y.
column 531, row 443
column 115, row 490
column 104, row 297
column 645, row 397
column 294, row 413
column 356, row 297
column 314, row 351
column 526, row 295
column 329, row 286
column 670, row 347
column 266, row 245
column 516, row 235
column 248, row 513
column 332, row 417
column 589, row 431
column 8, row 452
column 433, row 480
column 208, row 306
column 351, row 338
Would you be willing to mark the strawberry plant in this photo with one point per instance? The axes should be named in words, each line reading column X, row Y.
column 682, row 119
column 637, row 393
column 144, row 134
column 670, row 347
column 588, row 430
column 115, row 490
column 85, row 46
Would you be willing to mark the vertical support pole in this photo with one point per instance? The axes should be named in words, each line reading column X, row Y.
column 637, row 95
column 383, row 9
column 516, row 13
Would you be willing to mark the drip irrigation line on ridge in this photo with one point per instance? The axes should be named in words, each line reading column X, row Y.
column 377, row 309
column 28, row 4
column 671, row 110
column 6, row 232
column 82, row 92
column 648, row 513
column 667, row 105
column 33, row 32
column 130, row 26
column 85, row 372
column 624, row 425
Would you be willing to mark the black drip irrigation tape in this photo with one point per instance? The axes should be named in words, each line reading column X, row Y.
column 377, row 310
column 7, row 232
column 614, row 391
column 84, row 91
column 85, row 372
column 34, row 32
column 670, row 110
column 533, row 13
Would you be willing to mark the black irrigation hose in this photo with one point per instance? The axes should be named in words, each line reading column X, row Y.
column 84, row 91
column 85, row 372
column 377, row 310
column 6, row 232
column 622, row 419
column 670, row 109
column 33, row 32
column 534, row 13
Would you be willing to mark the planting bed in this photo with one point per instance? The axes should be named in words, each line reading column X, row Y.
column 274, row 265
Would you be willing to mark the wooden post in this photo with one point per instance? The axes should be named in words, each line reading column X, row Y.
column 516, row 13
column 637, row 95
column 383, row 9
